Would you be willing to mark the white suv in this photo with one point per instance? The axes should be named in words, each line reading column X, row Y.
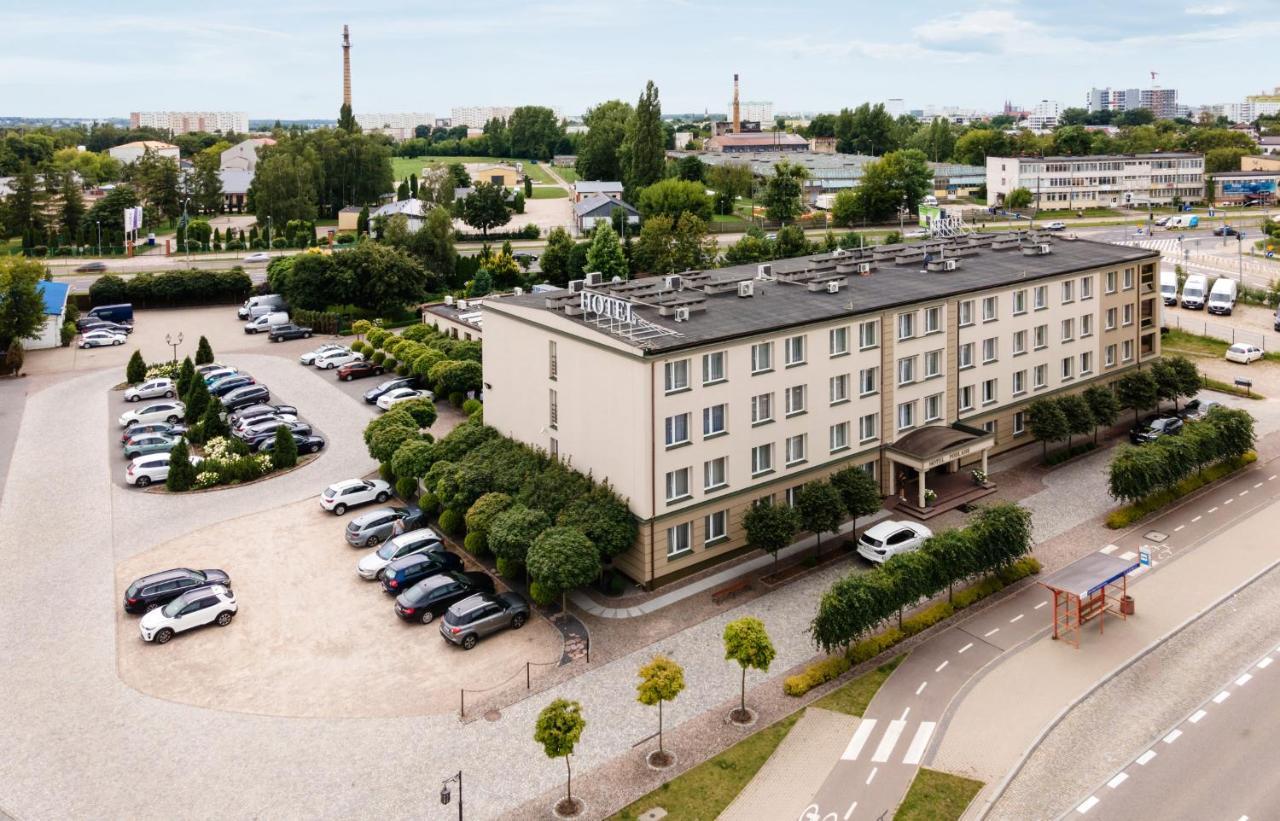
column 151, row 389
column 335, row 359
column 215, row 604
column 309, row 358
column 170, row 412
column 339, row 496
column 154, row 467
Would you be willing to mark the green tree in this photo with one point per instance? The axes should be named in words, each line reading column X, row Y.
column 555, row 256
column 899, row 179
column 362, row 221
column 1103, row 407
column 204, row 352
column 605, row 254
column 642, row 155
column 673, row 197
column 859, row 494
column 402, row 191
column 770, row 527
column 196, row 400
column 136, row 371
column 182, row 474
column 484, row 510
column 71, row 207
column 21, row 305
column 747, row 642
column 25, row 208
column 535, row 132
column 1047, row 423
column 783, row 192
column 1188, row 375
column 1137, row 391
column 204, row 183
column 1002, row 533
column 413, row 458
column 513, row 530
column 1135, row 473
column 285, row 453
column 598, row 151
column 691, row 168
column 820, row 509
column 1076, row 412
column 347, row 120
column 867, row 129
column 1168, row 382
column 212, row 424
column 559, row 727
column 975, row 145
column 286, row 186
column 846, row 209
column 1235, row 431
column 486, row 207
column 661, row 680
column 562, row 558
column 186, row 373
column 1017, row 198
column 730, row 181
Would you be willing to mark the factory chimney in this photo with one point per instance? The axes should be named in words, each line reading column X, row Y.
column 346, row 67
column 737, row 122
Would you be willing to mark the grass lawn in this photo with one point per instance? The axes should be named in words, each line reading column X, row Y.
column 1064, row 213
column 402, row 167
column 549, row 192
column 1180, row 341
column 937, row 796
column 854, row 697
column 567, row 173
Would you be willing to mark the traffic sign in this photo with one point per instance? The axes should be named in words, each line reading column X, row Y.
column 1144, row 557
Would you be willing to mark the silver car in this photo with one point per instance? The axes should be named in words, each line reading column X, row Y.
column 376, row 526
column 481, row 615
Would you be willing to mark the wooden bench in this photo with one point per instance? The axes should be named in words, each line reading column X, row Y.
column 730, row 590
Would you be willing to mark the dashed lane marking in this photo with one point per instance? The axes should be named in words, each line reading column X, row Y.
column 1118, row 780
column 1145, row 757
column 1243, row 680
column 1199, row 714
column 1016, row 618
column 1258, row 485
column 1221, row 697
column 905, row 713
column 1111, row 548
column 1272, row 476
column 859, row 739
column 1243, row 493
column 849, row 811
column 1229, row 501
column 915, row 752
column 1041, row 604
column 1212, row 510
column 1196, row 519
column 1173, row 736
column 888, row 742
column 920, row 689
column 872, row 775
column 1087, row 804
column 1265, row 663
column 991, row 632
column 1179, row 527
column 966, row 647
column 938, row 669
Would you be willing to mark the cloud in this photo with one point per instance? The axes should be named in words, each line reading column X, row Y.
column 1207, row 10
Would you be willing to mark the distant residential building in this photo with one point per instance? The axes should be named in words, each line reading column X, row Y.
column 895, row 107
column 183, row 122
column 682, row 140
column 132, row 152
column 564, row 160
column 475, row 116
column 54, row 295
column 582, row 189
column 1110, row 180
column 1269, row 145
column 822, row 145
column 349, row 218
column 1264, row 105
column 243, row 156
column 760, row 111
column 444, row 122
column 1044, row 115
column 413, row 210
column 398, row 127
column 1234, row 112
column 1267, row 162
column 762, row 141
column 1162, row 102
column 599, row 208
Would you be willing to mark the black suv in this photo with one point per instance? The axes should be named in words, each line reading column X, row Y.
column 1153, row 429
column 245, row 397
column 432, row 596
column 371, row 396
column 288, row 331
column 159, row 589
column 406, row 571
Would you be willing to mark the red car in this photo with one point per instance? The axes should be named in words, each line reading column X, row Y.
column 357, row 370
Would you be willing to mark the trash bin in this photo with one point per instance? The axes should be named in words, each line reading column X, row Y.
column 1126, row 605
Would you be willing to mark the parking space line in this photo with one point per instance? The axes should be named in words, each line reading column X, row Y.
column 1265, row 663
column 906, row 711
column 1016, row 618
column 872, row 776
column 1128, row 555
column 1087, row 804
column 859, row 740
column 849, row 811
column 966, row 647
column 1221, row 697
column 920, row 689
column 1111, row 548
column 991, row 632
column 938, row 669
column 1145, row 757
column 1179, row 527
column 1212, row 510
column 1243, row 680
column 1199, row 714
column 1196, row 519
column 1041, row 604
column 1173, row 736
column 1118, row 780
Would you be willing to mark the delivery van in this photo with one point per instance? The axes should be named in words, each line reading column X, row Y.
column 121, row 314
column 1169, row 287
column 1182, row 221
column 1194, row 292
column 272, row 302
column 266, row 322
column 1222, row 297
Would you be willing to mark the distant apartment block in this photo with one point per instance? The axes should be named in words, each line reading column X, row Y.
column 759, row 111
column 475, row 116
column 1044, row 115
column 399, row 126
column 1162, row 102
column 183, row 122
column 1109, row 180
column 1264, row 105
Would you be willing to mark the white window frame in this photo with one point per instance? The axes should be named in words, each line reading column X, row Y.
column 709, row 468
column 964, row 313
column 1110, row 358
column 1040, row 297
column 1086, row 326
column 838, row 437
column 761, row 408
column 674, row 488
column 869, row 421
column 715, row 527
column 761, row 357
column 762, row 459
column 838, row 341
column 964, row 399
column 1127, row 280
column 1086, row 288
column 906, row 415
column 933, row 364
column 1110, row 324
column 906, row 370
column 1040, row 376
column 1019, row 423
column 906, row 325
column 1126, row 350
column 838, row 388
column 672, row 372
column 990, row 391
column 990, row 308
column 993, row 344
column 796, row 449
column 1086, row 363
column 1068, row 329
column 1068, row 291
column 933, row 407
column 1067, row 369
column 933, row 319
column 794, row 351
column 1020, row 302
column 869, row 330
column 1019, row 382
column 674, row 539
column 709, row 418
column 796, row 399
column 708, row 377
column 1040, row 337
column 672, row 433
column 1019, row 342
column 964, row 356
column 869, row 377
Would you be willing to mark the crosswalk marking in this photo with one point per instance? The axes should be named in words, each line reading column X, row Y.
column 859, row 739
column 1128, row 555
column 915, row 752
column 1111, row 548
column 888, row 741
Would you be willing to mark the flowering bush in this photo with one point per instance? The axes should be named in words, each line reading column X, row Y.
column 929, row 496
column 208, row 478
column 168, row 369
column 979, row 476
column 218, row 449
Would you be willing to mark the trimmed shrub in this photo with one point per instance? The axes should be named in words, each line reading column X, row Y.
column 429, row 503
column 457, row 398
column 379, row 357
column 182, row 474
column 285, row 453
column 136, row 370
column 542, row 595
column 68, row 333
column 451, row 522
column 816, row 674
column 474, row 544
column 406, row 487
column 471, row 406
column 386, row 474
column 508, row 569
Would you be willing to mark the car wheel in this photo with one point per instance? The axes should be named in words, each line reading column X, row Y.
column 168, row 394
column 428, row 616
column 381, row 497
column 143, row 481
column 348, row 378
column 163, row 636
column 338, row 510
column 330, row 366
column 118, row 342
column 152, row 606
column 307, row 335
column 129, row 454
column 372, row 541
column 469, row 641
column 135, row 398
column 224, row 618
column 172, row 420
column 518, row 620
column 377, row 371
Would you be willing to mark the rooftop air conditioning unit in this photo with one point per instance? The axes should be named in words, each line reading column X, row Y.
column 833, row 287
column 1045, row 248
column 517, row 291
column 838, row 253
column 462, row 305
column 672, row 283
column 950, row 264
column 864, row 268
column 746, row 289
column 682, row 314
column 594, row 278
column 575, row 286
column 764, row 271
column 448, row 300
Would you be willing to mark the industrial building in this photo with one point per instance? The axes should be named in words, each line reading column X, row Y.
column 1103, row 180
column 698, row 395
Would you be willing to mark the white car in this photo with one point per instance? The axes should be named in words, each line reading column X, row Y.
column 309, row 358
column 205, row 370
column 919, row 233
column 1056, row 225
column 336, row 359
column 151, row 389
column 101, row 339
column 406, row 544
column 261, row 256
column 392, row 398
column 273, row 419
column 339, row 496
column 1242, row 353
column 214, row 375
column 885, row 539
column 215, row 604
column 171, row 412
column 152, row 468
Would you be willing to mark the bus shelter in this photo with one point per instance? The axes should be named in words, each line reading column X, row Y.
column 1089, row 589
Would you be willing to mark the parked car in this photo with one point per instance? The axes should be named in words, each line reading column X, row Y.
column 1225, row 231
column 348, row 493
column 1056, row 225
column 1152, row 429
column 406, row 544
column 227, row 384
column 1194, row 292
column 271, row 419
column 253, row 411
column 394, row 397
column 255, row 435
column 154, row 467
column 95, row 267
column 307, row 443
column 87, row 325
column 220, row 372
column 154, row 443
column 265, row 322
column 403, row 573
column 309, row 358
column 466, row 622
column 885, row 539
column 208, row 605
column 525, row 257
column 260, row 256
column 1162, row 221
column 101, row 339
column 245, row 396
column 158, row 589
column 334, row 359
column 371, row 396
column 434, row 595
column 151, row 389
column 1195, row 409
column 163, row 428
column 369, row 529
column 358, row 370
column 1242, row 353
column 171, row 412
column 256, row 306
column 204, row 370
column 1222, row 296
column 288, row 331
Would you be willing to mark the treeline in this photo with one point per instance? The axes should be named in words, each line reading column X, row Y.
column 532, row 132
column 314, row 174
column 368, row 277
column 1223, row 435
column 172, row 288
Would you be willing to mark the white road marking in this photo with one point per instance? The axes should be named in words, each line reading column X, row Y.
column 966, row 647
column 1173, row 736
column 1016, row 618
column 1243, row 818
column 1087, row 805
column 918, row 744
column 938, row 669
column 1212, row 510
column 1243, row 680
column 1272, row 476
column 872, row 775
column 904, row 715
column 1258, row 485
column 1111, row 548
column 991, row 632
column 849, row 811
column 920, row 689
column 1221, row 697
column 1128, row 555
column 1199, row 714
column 859, row 739
column 1041, row 604
column 1118, row 780
column 1145, row 757
column 888, row 742
column 1229, row 501
column 1196, row 519
column 1179, row 527
column 1242, row 493
column 1265, row 663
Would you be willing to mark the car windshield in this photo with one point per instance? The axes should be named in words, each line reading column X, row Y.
column 871, row 540
column 171, row 609
column 388, row 549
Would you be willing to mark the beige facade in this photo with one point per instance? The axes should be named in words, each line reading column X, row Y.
column 1099, row 181
column 694, row 435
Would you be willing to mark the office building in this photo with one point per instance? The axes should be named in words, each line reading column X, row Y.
column 398, row 127
column 1109, row 180
column 183, row 122
column 696, row 396
column 1245, row 187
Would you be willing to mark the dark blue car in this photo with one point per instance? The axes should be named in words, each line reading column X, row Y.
column 407, row 571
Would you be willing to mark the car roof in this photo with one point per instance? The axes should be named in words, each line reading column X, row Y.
column 346, row 483
column 471, row 603
column 165, row 576
column 879, row 530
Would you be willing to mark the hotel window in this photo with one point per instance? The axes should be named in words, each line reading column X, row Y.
column 555, row 410
column 1068, row 368
column 794, row 400
column 679, row 539
column 1019, row 423
column 868, row 381
column 677, row 429
column 1041, row 336
column 1086, row 288
column 551, row 359
column 869, row 335
column 988, row 391
column 964, row 356
column 795, row 449
column 906, row 326
column 869, row 427
column 762, row 408
column 933, row 320
column 989, row 350
column 1068, row 291
column 715, row 473
column 761, row 459
column 1110, row 356
column 1128, row 278
column 794, row 348
column 1086, row 363
column 792, row 494
column 1111, row 282
column 868, row 468
column 839, row 438
column 839, row 388
column 932, row 364
column 1041, row 299
column 966, row 313
column 1086, row 325
column 1019, row 383
column 1020, row 302
column 1019, row 342
column 989, row 427
column 906, row 370
column 1126, row 350
column 838, row 341
column 1040, row 377
column 1127, row 315
column 1111, row 319
column 677, row 375
column 933, row 407
column 990, row 307
column 906, row 415
column 762, row 357
column 677, row 485
column 714, row 527
column 713, row 420
column 713, row 368
column 1068, row 330
column 966, row 398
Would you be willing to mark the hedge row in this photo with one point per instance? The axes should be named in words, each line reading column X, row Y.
column 1127, row 515
column 1138, row 472
column 172, row 288
column 530, row 231
column 450, row 367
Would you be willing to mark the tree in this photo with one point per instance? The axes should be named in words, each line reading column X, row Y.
column 1168, row 382
column 673, row 197
column 1137, row 391
column 25, row 208
column 555, row 256
column 897, row 180
column 1188, row 375
column 1017, row 198
column 186, row 373
column 1103, row 407
column 286, row 186
column 730, row 181
column 212, row 424
column 1001, row 533
column 535, row 132
column 1047, row 423
column 605, row 254
column 559, row 727
column 747, row 642
column 513, row 530
column 136, row 371
column 285, row 452
column 1075, row 410
column 402, row 191
column 642, row 155
column 846, row 209
column 865, row 130
column 196, row 400
column 182, row 474
column 859, row 494
column 770, row 527
column 362, row 221
column 661, row 680
column 562, row 558
column 204, row 352
column 346, row 120
column 21, row 304
column 606, row 129
column 204, row 183
column 1136, row 472
column 783, row 191
column 691, row 168
column 820, row 509
column 72, row 210
column 1235, row 432
column 486, row 207
column 14, row 356
column 665, row 246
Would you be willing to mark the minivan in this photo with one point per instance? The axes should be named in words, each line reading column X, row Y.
column 1222, row 297
column 1194, row 291
column 1169, row 287
column 122, row 313
column 271, row 302
column 266, row 322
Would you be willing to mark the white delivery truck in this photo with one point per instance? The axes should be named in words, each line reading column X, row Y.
column 266, row 322
column 1194, row 291
column 1169, row 287
column 1222, row 297
column 1182, row 221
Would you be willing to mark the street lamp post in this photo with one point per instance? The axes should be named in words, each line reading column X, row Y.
column 445, row 795
column 902, row 216
column 169, row 340
column 1240, row 256
column 186, row 231
column 99, row 236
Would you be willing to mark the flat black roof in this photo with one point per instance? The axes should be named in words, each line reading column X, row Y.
column 721, row 314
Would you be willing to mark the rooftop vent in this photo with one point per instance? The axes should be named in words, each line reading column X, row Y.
column 575, row 286
column 865, row 268
column 944, row 264
column 672, row 283
column 833, row 286
column 746, row 289
column 1038, row 250
column 448, row 300
column 462, row 305
column 764, row 272
column 517, row 291
column 682, row 314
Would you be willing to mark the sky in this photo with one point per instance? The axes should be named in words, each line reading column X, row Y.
column 282, row 58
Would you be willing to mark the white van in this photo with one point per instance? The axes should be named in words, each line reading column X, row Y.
column 1222, row 297
column 1169, row 287
column 1194, row 291
column 266, row 322
column 264, row 304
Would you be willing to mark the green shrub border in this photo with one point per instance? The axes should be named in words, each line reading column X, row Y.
column 1122, row 517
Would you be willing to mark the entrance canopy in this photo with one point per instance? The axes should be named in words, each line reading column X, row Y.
column 934, row 446
column 1095, row 585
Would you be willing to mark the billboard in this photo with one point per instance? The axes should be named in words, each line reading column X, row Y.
column 929, row 214
column 1244, row 188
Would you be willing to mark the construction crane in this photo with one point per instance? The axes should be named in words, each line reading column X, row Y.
column 1153, row 78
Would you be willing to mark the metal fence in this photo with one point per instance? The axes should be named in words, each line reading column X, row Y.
column 1227, row 333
